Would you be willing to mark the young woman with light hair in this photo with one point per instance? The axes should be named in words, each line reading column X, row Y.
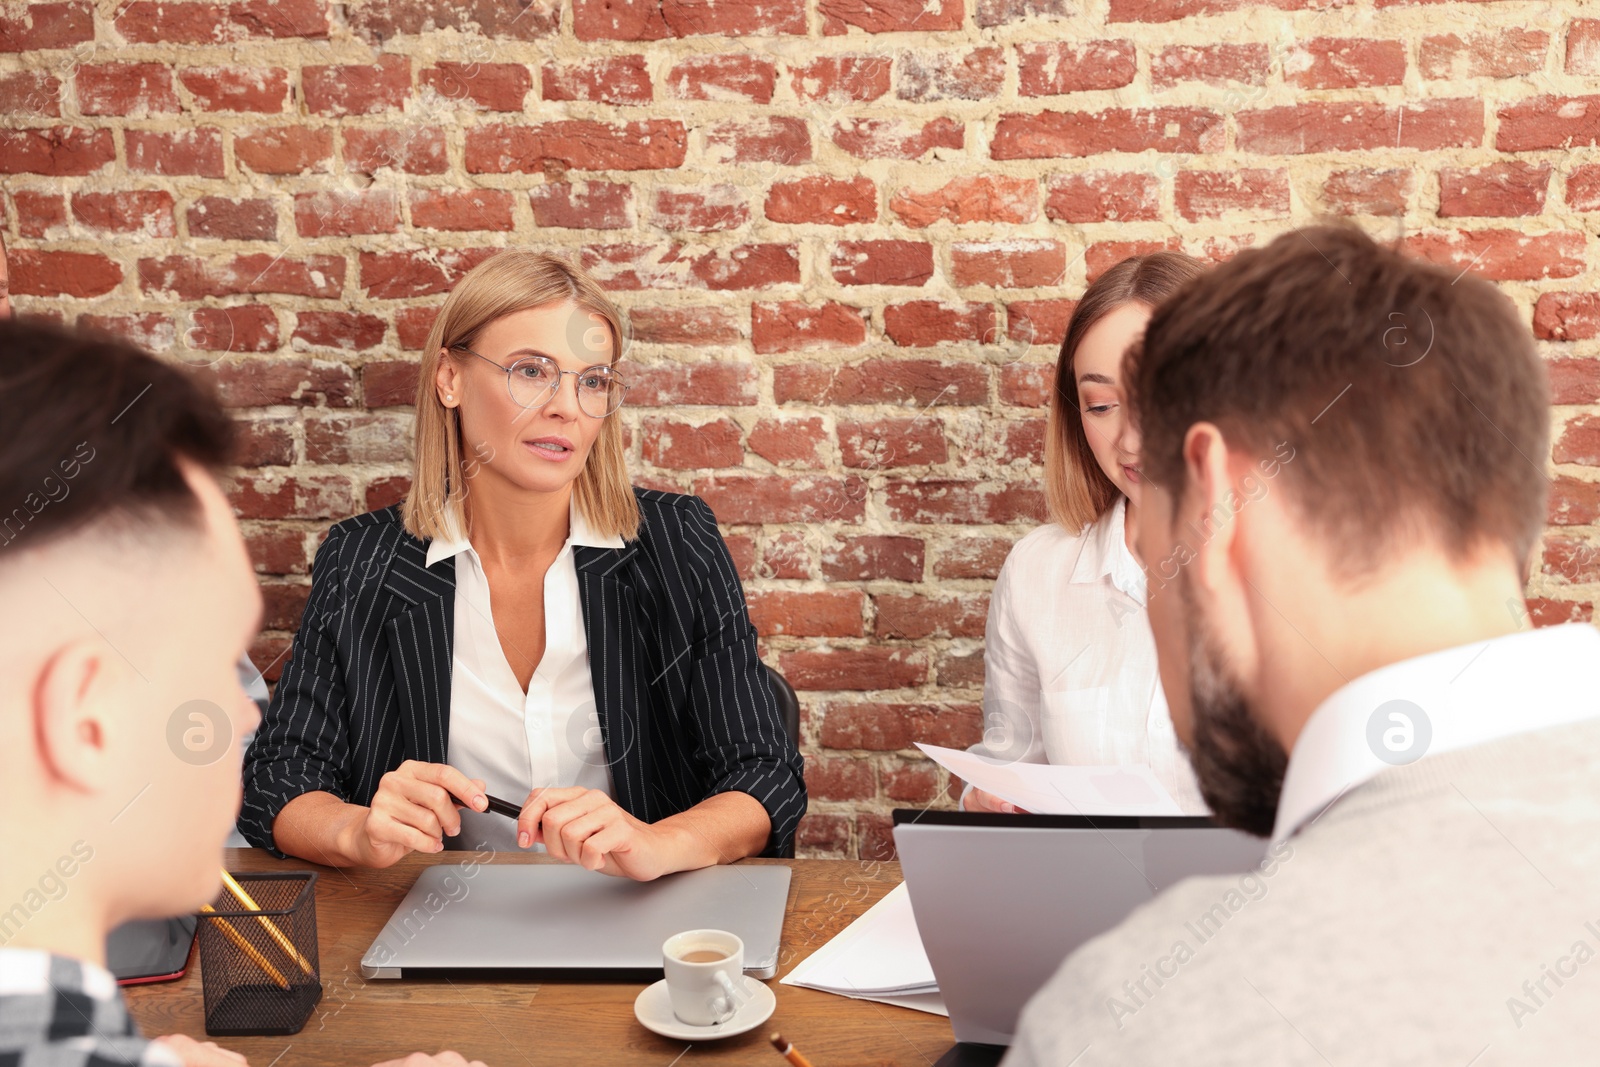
column 527, row 625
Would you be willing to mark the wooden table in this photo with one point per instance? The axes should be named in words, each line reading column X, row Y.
column 508, row 1024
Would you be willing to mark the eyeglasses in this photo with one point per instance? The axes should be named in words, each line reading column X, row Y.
column 533, row 382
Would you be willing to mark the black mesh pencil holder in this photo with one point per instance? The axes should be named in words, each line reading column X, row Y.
column 258, row 966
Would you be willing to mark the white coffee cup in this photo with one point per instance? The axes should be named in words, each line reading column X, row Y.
column 705, row 975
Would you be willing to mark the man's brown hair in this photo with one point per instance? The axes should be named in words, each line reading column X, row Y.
column 1411, row 394
column 91, row 429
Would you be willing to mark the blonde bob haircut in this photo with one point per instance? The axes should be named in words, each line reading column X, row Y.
column 1076, row 490
column 508, row 282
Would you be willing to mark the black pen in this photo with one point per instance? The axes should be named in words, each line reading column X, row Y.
column 504, row 807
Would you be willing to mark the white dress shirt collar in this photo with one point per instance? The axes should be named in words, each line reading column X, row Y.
column 1470, row 694
column 1105, row 552
column 579, row 532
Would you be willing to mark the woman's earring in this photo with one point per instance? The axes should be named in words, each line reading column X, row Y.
column 449, row 396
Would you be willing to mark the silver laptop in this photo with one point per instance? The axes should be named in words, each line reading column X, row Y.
column 1001, row 900
column 561, row 917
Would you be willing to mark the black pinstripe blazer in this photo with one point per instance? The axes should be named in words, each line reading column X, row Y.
column 684, row 705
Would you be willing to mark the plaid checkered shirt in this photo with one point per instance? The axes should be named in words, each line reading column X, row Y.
column 60, row 1012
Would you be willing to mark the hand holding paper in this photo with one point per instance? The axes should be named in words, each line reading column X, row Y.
column 1061, row 790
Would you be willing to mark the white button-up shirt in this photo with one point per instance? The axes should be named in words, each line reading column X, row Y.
column 1466, row 695
column 1069, row 661
column 516, row 741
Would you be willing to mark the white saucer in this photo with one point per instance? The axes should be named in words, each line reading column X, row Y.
column 653, row 1008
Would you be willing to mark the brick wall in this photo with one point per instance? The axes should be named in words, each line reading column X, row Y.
column 848, row 232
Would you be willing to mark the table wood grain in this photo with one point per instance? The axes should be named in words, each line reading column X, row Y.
column 512, row 1023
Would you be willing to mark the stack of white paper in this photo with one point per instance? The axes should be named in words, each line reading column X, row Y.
column 877, row 957
column 1050, row 789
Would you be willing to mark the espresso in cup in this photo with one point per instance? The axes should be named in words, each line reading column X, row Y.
column 705, row 976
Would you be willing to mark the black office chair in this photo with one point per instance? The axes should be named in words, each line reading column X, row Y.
column 788, row 703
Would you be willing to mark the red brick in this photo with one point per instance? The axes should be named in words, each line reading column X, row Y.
column 357, row 90
column 1032, row 322
column 1213, row 194
column 1344, row 63
column 274, row 550
column 992, row 13
column 582, row 205
column 36, row 272
column 245, row 328
column 825, row 200
column 1503, row 255
column 888, row 16
column 746, row 78
column 1013, row 440
column 872, row 557
column 832, row 613
column 1544, row 611
column 1342, row 127
column 1509, row 52
column 927, row 77
column 145, row 212
column 759, row 499
column 981, row 503
column 875, row 836
column 1172, row 10
column 701, row 209
column 260, row 383
column 699, row 325
column 387, row 384
column 264, row 442
column 792, row 326
column 284, row 149
column 137, row 90
column 46, row 25
column 916, row 783
column 196, row 152
column 405, row 275
column 412, row 325
column 239, row 220
column 149, row 330
column 1215, row 64
column 973, row 557
column 1054, row 68
column 923, row 382
column 881, row 262
column 30, row 92
column 1367, row 191
column 582, row 144
column 774, row 139
column 272, row 653
column 385, row 492
column 522, row 20
column 1009, row 264
column 961, row 670
column 283, row 604
column 1583, row 188
column 640, row 266
column 874, row 138
column 1567, row 316
column 1549, row 122
column 413, row 149
column 1573, row 501
column 487, row 86
column 1571, row 558
column 786, row 554
column 1103, row 196
column 363, row 437
column 253, row 89
column 743, row 550
column 883, row 444
column 873, row 667
column 680, row 445
column 789, row 442
column 841, row 79
column 1103, row 255
column 1574, row 379
column 349, row 331
column 839, row 779
column 610, row 80
column 194, row 278
column 1579, row 442
column 163, row 22
column 1583, row 47
column 343, row 213
column 706, row 383
column 461, row 209
column 925, row 323
column 633, row 20
column 278, row 496
column 56, row 150
column 826, row 836
column 1500, row 189
column 981, row 198
column 1056, row 134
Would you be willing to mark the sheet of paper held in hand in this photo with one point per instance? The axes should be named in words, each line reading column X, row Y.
column 1046, row 789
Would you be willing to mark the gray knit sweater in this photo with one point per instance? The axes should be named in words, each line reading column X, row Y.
column 1446, row 912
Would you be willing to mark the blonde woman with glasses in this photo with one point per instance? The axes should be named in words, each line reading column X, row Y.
column 527, row 625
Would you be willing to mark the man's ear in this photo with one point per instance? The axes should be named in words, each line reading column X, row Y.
column 1211, row 510
column 71, row 704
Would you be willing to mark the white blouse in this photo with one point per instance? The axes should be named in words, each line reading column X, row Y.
column 1069, row 661
column 516, row 741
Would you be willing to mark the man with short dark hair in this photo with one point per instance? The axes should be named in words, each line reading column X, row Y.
column 1344, row 453
column 128, row 599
